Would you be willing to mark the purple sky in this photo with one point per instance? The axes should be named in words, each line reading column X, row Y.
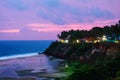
column 44, row 19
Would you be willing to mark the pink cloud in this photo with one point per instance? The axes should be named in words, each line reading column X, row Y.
column 53, row 27
column 10, row 31
column 107, row 21
column 58, row 28
column 46, row 19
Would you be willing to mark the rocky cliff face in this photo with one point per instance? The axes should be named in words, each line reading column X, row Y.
column 85, row 52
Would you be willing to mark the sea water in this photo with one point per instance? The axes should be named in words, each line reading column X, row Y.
column 22, row 48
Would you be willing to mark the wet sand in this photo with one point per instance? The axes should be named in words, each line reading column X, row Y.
column 38, row 67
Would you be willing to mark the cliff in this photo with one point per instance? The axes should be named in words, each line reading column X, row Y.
column 90, row 54
column 85, row 52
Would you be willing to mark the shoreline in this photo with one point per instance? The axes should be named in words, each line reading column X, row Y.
column 18, row 56
column 39, row 66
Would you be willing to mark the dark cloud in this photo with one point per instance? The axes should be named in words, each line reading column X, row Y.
column 59, row 21
column 15, row 4
column 84, row 1
column 2, row 19
column 48, row 3
column 54, row 16
column 58, row 12
column 27, row 31
column 29, row 34
column 44, row 14
column 99, row 13
column 79, row 14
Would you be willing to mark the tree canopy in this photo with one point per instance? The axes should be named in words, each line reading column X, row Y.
column 113, row 30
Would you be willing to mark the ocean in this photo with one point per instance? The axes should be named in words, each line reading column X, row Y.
column 20, row 59
column 22, row 48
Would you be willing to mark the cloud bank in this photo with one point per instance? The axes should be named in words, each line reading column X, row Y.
column 49, row 17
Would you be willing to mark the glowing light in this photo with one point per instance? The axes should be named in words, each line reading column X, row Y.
column 77, row 41
column 95, row 41
column 66, row 65
column 87, row 41
column 104, row 38
column 66, row 41
column 62, row 41
column 116, row 41
column 98, row 40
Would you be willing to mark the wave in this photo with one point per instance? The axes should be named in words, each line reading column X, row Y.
column 18, row 56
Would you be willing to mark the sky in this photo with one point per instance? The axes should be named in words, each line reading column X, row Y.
column 44, row 19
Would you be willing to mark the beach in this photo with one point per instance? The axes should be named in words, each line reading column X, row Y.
column 37, row 67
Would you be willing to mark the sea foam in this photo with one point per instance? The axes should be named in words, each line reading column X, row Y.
column 18, row 56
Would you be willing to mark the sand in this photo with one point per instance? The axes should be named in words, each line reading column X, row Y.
column 38, row 67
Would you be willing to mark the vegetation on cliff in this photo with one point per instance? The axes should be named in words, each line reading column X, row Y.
column 113, row 32
column 91, row 55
